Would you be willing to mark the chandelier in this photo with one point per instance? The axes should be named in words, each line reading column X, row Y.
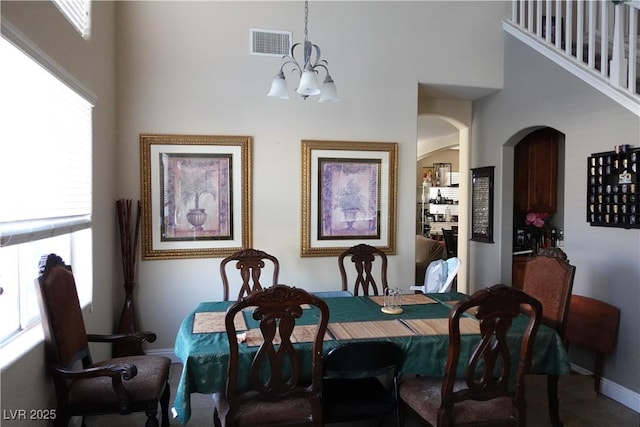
column 308, row 80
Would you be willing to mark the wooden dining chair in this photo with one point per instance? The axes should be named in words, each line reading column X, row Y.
column 486, row 394
column 121, row 385
column 250, row 263
column 275, row 390
column 361, row 382
column 548, row 277
column 363, row 257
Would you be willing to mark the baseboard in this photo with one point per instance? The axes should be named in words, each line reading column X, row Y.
column 614, row 391
column 166, row 352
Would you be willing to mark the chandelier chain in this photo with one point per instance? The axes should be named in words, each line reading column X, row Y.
column 306, row 20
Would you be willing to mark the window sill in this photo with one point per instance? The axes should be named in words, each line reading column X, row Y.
column 20, row 345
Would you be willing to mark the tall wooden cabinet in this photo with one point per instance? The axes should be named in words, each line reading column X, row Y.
column 535, row 185
column 536, row 172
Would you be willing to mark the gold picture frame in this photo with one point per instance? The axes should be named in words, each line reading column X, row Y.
column 349, row 194
column 196, row 195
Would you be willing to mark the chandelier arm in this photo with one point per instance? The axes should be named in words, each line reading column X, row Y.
column 321, row 65
column 291, row 59
column 293, row 62
column 318, row 54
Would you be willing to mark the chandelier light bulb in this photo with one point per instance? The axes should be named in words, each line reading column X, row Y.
column 329, row 92
column 308, row 83
column 279, row 87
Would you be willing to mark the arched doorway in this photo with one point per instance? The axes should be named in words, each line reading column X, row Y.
column 443, row 139
column 538, row 194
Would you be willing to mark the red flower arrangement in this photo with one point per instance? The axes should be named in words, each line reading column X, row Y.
column 536, row 219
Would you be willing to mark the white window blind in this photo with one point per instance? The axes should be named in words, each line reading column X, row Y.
column 45, row 179
column 46, row 143
column 78, row 12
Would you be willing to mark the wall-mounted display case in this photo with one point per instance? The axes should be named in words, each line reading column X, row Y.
column 482, row 204
column 613, row 188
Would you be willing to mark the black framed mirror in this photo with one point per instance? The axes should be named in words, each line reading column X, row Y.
column 482, row 204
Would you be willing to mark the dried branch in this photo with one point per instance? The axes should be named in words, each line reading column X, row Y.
column 129, row 235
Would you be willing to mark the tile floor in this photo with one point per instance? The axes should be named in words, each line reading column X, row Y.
column 579, row 407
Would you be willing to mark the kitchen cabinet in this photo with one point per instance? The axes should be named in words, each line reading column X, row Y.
column 536, row 173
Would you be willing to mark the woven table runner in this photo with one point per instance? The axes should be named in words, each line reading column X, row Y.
column 441, row 326
column 208, row 322
column 373, row 329
column 301, row 333
column 409, row 299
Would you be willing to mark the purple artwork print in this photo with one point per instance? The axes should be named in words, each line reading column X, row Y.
column 349, row 192
column 195, row 194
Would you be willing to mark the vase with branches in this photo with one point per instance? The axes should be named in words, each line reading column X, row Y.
column 129, row 230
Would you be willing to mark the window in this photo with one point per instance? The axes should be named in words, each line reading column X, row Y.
column 78, row 12
column 45, row 190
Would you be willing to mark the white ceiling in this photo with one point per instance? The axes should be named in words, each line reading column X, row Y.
column 430, row 128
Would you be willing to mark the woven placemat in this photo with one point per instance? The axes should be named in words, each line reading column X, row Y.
column 408, row 299
column 208, row 322
column 441, row 326
column 301, row 333
column 372, row 329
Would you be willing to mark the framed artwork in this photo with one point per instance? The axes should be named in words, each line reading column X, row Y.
column 428, row 174
column 442, row 172
column 349, row 194
column 482, row 204
column 196, row 195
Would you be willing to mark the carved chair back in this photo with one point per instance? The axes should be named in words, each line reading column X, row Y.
column 363, row 257
column 250, row 263
column 489, row 370
column 276, row 375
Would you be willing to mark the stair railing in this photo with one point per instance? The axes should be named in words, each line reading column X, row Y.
column 599, row 36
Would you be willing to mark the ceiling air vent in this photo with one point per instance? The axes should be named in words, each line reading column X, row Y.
column 269, row 42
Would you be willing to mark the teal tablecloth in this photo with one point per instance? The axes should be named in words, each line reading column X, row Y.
column 205, row 355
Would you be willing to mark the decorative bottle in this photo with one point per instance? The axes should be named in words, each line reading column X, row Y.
column 560, row 243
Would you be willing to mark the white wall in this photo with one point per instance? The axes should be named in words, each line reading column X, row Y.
column 24, row 384
column 538, row 93
column 184, row 68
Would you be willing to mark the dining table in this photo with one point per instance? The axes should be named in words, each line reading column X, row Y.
column 421, row 330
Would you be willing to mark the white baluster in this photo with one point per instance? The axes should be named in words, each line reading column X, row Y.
column 618, row 64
